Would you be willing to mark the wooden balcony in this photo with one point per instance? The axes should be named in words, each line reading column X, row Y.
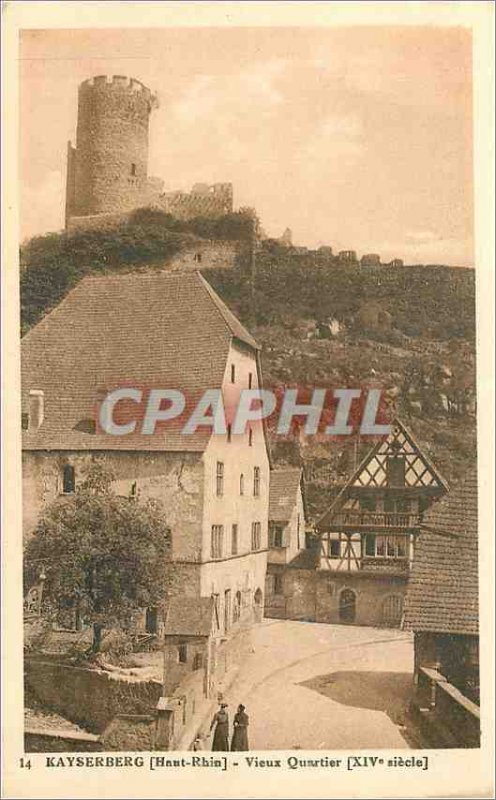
column 376, row 521
column 372, row 565
column 389, row 566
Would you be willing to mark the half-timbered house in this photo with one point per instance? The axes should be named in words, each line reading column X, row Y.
column 369, row 531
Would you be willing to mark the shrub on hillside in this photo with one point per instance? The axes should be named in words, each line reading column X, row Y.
column 51, row 265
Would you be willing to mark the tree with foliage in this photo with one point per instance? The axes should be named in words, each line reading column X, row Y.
column 105, row 557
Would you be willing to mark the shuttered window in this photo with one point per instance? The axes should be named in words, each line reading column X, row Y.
column 256, row 535
column 219, row 479
column 217, row 541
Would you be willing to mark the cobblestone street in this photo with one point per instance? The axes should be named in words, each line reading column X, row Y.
column 315, row 686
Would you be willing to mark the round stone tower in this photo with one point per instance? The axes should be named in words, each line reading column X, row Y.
column 107, row 170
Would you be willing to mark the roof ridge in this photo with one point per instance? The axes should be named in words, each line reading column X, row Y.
column 225, row 312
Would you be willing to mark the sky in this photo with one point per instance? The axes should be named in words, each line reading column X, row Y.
column 358, row 138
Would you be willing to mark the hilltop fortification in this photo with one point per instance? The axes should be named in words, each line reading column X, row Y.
column 107, row 170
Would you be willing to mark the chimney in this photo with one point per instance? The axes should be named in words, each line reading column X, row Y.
column 36, row 409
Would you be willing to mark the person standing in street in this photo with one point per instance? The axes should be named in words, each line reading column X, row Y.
column 221, row 733
column 240, row 730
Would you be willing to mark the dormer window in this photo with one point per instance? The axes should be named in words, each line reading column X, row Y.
column 68, row 479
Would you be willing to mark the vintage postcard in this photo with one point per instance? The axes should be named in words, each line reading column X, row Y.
column 248, row 460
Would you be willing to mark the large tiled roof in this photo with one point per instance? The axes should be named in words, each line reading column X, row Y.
column 443, row 587
column 141, row 329
column 189, row 616
column 284, row 484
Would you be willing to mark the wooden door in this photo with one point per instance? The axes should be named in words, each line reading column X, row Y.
column 347, row 606
column 392, row 610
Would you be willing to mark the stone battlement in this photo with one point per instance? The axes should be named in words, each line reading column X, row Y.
column 120, row 82
column 203, row 200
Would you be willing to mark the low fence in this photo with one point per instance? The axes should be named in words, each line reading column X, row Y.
column 449, row 712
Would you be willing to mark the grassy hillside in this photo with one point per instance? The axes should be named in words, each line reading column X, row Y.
column 51, row 265
column 423, row 358
column 409, row 331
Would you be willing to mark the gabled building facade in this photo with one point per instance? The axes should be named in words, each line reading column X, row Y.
column 154, row 330
column 287, row 593
column 368, row 534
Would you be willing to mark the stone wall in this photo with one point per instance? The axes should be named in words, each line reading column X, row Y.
column 196, row 651
column 370, row 591
column 96, row 222
column 131, row 732
column 298, row 597
column 202, row 255
column 176, row 479
column 88, row 697
column 37, row 741
column 315, row 595
column 202, row 201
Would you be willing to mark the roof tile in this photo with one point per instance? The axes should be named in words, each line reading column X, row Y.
column 284, row 484
column 442, row 593
column 189, row 616
column 144, row 329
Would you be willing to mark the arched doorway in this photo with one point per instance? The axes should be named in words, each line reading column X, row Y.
column 258, row 605
column 392, row 610
column 347, row 606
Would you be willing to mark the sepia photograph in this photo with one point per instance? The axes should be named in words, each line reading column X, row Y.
column 248, row 400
